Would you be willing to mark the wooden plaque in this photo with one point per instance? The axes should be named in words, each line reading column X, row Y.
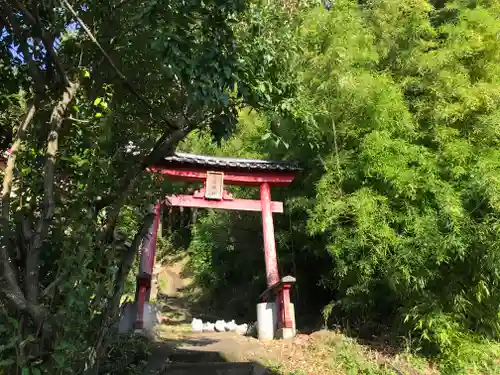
column 214, row 187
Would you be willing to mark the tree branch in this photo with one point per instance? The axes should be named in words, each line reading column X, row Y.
column 165, row 146
column 106, row 320
column 24, row 11
column 11, row 161
column 170, row 125
column 32, row 67
column 128, row 259
column 48, row 208
column 8, row 179
column 47, row 41
column 120, row 4
column 54, row 284
column 24, row 235
column 78, row 120
column 9, row 286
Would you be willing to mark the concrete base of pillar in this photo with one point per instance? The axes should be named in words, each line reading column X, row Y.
column 267, row 320
column 285, row 333
column 129, row 315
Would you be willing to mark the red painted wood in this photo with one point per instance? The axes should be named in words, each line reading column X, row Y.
column 263, row 179
column 146, row 267
column 226, row 195
column 279, row 303
column 152, row 251
column 286, row 317
column 234, row 204
column 269, row 243
column 230, row 178
column 199, row 193
column 148, row 250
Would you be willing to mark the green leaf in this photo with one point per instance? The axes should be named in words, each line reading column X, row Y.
column 97, row 100
column 225, row 99
column 26, row 341
column 7, row 362
column 98, row 115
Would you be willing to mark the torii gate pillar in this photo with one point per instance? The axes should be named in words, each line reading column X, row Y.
column 146, row 266
column 271, row 258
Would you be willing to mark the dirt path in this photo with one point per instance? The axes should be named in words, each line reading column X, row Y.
column 175, row 335
column 320, row 353
column 233, row 347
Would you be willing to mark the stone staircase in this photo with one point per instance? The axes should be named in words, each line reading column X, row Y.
column 192, row 362
column 241, row 368
column 195, row 355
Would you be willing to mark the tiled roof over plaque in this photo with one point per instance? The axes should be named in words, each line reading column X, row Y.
column 192, row 160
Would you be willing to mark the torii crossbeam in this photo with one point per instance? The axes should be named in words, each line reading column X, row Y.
column 214, row 173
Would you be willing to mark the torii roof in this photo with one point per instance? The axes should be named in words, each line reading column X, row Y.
column 181, row 159
column 202, row 161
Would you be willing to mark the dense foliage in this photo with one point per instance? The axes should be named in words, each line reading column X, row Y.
column 394, row 222
column 392, row 108
column 91, row 94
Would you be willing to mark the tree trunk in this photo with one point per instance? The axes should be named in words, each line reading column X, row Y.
column 48, row 208
column 113, row 305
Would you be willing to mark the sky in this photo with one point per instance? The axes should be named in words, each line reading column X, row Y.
column 73, row 26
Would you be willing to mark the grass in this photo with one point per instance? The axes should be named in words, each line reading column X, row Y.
column 321, row 353
column 332, row 353
column 335, row 353
column 127, row 355
column 471, row 356
column 162, row 284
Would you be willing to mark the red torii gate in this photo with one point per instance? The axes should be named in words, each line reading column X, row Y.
column 214, row 173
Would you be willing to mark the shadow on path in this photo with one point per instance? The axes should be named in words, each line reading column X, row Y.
column 169, row 358
column 217, row 354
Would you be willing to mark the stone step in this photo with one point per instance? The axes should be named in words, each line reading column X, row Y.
column 214, row 368
column 191, row 356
